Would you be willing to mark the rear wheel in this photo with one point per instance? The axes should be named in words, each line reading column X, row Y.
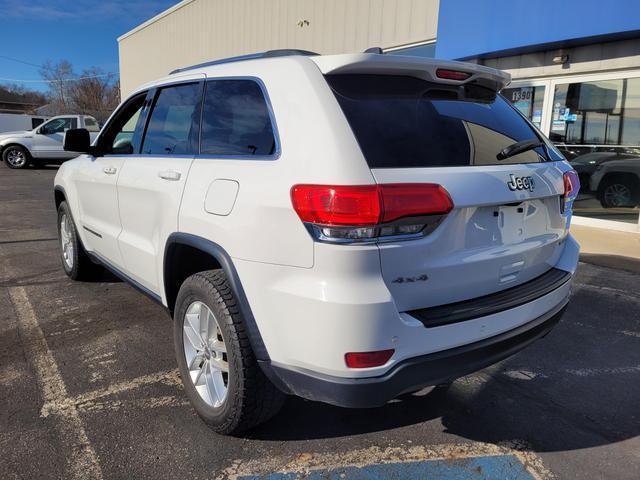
column 16, row 157
column 618, row 192
column 219, row 371
column 75, row 261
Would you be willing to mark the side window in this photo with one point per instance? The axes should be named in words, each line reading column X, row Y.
column 174, row 122
column 236, row 119
column 59, row 125
column 119, row 135
column 91, row 124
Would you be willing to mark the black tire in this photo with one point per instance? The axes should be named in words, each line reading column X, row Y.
column 250, row 398
column 80, row 266
column 16, row 157
column 618, row 192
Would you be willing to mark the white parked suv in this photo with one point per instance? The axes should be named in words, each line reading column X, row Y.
column 344, row 228
column 43, row 143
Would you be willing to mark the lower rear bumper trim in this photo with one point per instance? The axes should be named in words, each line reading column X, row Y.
column 411, row 374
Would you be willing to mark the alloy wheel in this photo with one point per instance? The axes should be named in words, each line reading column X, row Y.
column 66, row 240
column 16, row 158
column 617, row 195
column 206, row 354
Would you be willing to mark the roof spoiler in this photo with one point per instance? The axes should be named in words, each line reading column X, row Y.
column 287, row 52
column 429, row 69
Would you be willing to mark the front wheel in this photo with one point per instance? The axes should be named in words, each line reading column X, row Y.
column 75, row 261
column 219, row 371
column 16, row 157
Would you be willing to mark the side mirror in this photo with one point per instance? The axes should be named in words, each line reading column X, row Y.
column 77, row 140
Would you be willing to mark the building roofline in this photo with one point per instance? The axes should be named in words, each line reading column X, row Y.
column 153, row 20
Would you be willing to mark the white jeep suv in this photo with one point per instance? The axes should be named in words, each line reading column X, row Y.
column 344, row 228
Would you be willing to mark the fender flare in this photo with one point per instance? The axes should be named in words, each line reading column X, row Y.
column 226, row 263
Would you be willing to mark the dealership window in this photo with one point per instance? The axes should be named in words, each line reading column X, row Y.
column 596, row 125
column 426, row 49
column 529, row 100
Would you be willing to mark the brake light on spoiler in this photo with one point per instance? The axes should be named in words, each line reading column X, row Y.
column 359, row 213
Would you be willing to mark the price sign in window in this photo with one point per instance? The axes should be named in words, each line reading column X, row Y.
column 528, row 100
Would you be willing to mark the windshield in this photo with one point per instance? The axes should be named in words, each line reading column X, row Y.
column 403, row 122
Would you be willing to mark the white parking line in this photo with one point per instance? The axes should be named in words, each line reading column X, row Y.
column 88, row 400
column 82, row 459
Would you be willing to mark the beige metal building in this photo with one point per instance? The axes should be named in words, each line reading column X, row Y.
column 195, row 31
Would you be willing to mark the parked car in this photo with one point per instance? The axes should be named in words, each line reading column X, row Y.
column 11, row 121
column 44, row 143
column 617, row 183
column 344, row 228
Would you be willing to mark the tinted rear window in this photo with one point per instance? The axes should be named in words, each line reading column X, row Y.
column 403, row 122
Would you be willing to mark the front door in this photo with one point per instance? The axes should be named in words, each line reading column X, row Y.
column 96, row 182
column 150, row 185
column 47, row 142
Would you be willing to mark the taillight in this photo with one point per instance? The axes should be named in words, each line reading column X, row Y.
column 452, row 74
column 347, row 213
column 571, row 187
column 368, row 359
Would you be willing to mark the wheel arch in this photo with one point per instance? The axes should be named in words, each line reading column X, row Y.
column 59, row 195
column 14, row 143
column 186, row 254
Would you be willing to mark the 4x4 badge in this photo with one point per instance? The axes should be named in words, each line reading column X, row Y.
column 521, row 183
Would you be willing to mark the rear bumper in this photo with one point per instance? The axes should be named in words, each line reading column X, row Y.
column 413, row 373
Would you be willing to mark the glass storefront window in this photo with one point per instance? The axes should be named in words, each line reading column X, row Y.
column 528, row 100
column 596, row 125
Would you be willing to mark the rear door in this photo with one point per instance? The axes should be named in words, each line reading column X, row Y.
column 151, row 183
column 506, row 225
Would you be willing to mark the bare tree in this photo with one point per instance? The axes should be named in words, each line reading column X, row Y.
column 59, row 77
column 94, row 92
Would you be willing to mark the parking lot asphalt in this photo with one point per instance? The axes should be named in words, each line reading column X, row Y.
column 89, row 388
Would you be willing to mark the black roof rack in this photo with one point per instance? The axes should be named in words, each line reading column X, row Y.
column 252, row 56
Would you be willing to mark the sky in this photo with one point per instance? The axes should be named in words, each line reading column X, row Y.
column 81, row 31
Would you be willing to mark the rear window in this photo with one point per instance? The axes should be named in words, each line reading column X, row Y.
column 405, row 122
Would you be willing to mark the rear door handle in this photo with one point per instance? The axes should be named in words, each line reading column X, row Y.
column 170, row 175
column 110, row 170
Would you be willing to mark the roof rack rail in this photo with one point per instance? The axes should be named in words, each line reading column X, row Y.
column 252, row 56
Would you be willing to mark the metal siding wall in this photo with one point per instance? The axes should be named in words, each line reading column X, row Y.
column 204, row 30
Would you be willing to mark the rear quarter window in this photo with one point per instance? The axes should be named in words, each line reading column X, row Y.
column 406, row 122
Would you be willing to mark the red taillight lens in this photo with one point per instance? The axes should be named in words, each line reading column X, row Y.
column 452, row 74
column 413, row 199
column 350, row 213
column 571, row 184
column 368, row 359
column 337, row 205
column 571, row 188
column 367, row 205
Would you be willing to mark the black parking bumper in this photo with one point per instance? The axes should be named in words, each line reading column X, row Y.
column 411, row 374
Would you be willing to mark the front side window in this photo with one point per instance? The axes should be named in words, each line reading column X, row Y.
column 236, row 120
column 405, row 122
column 174, row 122
column 58, row 125
column 119, row 136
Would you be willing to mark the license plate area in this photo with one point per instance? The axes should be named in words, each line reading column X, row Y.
column 511, row 222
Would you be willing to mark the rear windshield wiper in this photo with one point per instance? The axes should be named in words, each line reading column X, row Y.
column 519, row 147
